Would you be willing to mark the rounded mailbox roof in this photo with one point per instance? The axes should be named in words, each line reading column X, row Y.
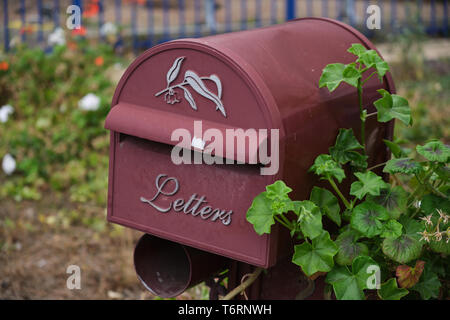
column 264, row 78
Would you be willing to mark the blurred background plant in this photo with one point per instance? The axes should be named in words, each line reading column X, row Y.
column 54, row 154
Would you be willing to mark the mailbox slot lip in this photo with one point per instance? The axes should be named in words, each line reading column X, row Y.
column 157, row 125
column 200, row 245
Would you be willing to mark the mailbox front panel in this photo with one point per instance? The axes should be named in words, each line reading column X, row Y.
column 200, row 205
column 203, row 206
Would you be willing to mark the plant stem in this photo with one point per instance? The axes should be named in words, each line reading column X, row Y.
column 420, row 187
column 244, row 285
column 435, row 191
column 362, row 116
column 335, row 187
column 371, row 114
column 283, row 223
column 401, row 183
column 376, row 166
column 368, row 78
column 286, row 220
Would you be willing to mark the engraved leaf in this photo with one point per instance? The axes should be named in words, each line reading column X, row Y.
column 174, row 70
column 197, row 84
column 189, row 98
column 218, row 83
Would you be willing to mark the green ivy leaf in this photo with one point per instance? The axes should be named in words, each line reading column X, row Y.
column 349, row 248
column 435, row 150
column 328, row 204
column 309, row 218
column 431, row 202
column 278, row 191
column 440, row 246
column 317, row 256
column 390, row 291
column 351, row 75
column 391, row 229
column 369, row 183
column 443, row 172
column 395, row 200
column 429, row 285
column 395, row 148
column 325, row 166
column 367, row 218
column 357, row 49
column 403, row 165
column 350, row 285
column 392, row 106
column 407, row 247
column 371, row 59
column 334, row 74
column 260, row 214
column 343, row 150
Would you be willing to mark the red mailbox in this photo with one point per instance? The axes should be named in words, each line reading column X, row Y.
column 258, row 80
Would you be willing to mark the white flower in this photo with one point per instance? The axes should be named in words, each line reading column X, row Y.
column 443, row 216
column 417, row 203
column 425, row 236
column 8, row 164
column 108, row 29
column 57, row 37
column 5, row 111
column 89, row 102
column 427, row 219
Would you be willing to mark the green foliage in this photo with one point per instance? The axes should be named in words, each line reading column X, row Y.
column 390, row 291
column 369, row 183
column 435, row 151
column 429, row 284
column 392, row 106
column 390, row 224
column 309, row 218
column 408, row 246
column 328, row 204
column 367, row 219
column 345, row 149
column 349, row 248
column 334, row 74
column 325, row 166
column 391, row 229
column 350, row 284
column 403, row 165
column 317, row 256
column 260, row 214
column 395, row 200
column 396, row 149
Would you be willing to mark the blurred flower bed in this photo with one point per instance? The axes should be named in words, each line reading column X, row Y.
column 51, row 120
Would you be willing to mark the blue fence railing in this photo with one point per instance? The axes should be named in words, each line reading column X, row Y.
column 144, row 23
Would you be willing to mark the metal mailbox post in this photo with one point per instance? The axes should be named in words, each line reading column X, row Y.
column 194, row 215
